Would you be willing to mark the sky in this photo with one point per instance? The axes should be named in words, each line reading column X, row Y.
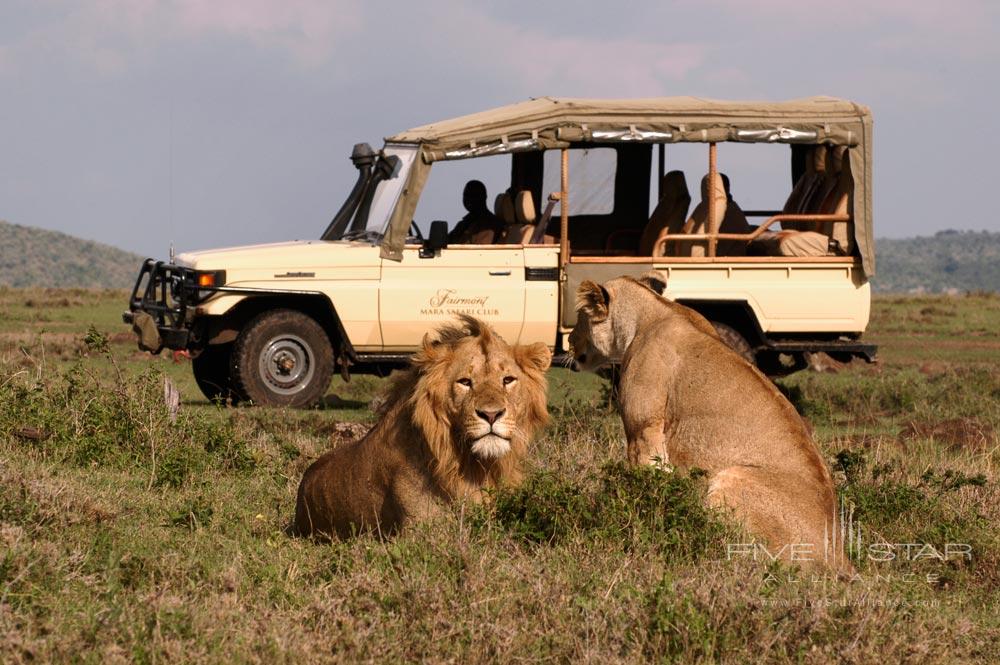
column 204, row 124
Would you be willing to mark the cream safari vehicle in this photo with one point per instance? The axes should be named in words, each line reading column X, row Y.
column 591, row 195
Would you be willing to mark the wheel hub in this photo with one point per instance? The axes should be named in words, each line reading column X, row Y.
column 286, row 364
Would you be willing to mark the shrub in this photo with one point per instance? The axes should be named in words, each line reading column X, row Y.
column 93, row 413
column 620, row 504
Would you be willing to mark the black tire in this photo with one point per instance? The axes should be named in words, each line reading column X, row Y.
column 735, row 341
column 777, row 365
column 282, row 358
column 211, row 373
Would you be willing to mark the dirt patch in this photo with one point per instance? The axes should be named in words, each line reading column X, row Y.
column 932, row 368
column 341, row 432
column 956, row 434
column 59, row 346
column 934, row 310
column 122, row 338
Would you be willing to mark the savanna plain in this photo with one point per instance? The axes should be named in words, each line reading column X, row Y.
column 127, row 535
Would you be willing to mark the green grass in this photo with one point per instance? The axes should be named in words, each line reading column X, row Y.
column 128, row 537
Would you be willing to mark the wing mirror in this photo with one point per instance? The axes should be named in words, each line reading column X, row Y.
column 436, row 240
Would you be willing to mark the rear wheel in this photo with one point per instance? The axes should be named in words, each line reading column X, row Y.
column 282, row 358
column 211, row 373
column 735, row 341
column 776, row 364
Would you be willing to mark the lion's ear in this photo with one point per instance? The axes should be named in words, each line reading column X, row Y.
column 431, row 350
column 593, row 299
column 655, row 280
column 533, row 356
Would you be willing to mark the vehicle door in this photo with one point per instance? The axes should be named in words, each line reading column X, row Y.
column 417, row 294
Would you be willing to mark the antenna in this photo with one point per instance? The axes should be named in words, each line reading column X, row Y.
column 171, row 179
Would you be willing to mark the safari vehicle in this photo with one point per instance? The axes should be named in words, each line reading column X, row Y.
column 271, row 323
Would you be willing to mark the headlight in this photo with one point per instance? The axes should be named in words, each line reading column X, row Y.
column 204, row 281
column 210, row 278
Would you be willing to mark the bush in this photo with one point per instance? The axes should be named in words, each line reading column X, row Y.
column 100, row 416
column 620, row 504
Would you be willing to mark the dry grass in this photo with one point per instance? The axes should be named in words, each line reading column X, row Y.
column 127, row 537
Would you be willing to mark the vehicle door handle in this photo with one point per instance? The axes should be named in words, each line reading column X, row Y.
column 499, row 273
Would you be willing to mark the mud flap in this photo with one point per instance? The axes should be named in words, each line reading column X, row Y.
column 144, row 327
column 345, row 363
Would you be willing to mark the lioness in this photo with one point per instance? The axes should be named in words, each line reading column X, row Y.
column 688, row 400
column 458, row 420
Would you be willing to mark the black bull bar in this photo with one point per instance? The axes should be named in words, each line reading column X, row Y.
column 158, row 305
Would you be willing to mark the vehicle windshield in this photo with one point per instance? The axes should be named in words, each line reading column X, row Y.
column 386, row 195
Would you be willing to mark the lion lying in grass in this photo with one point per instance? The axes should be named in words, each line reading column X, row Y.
column 456, row 422
column 688, row 400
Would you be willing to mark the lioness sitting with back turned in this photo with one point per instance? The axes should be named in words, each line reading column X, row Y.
column 456, row 422
column 688, row 400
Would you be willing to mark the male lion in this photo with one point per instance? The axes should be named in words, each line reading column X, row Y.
column 688, row 400
column 457, row 421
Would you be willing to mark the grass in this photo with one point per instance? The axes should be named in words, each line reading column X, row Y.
column 127, row 536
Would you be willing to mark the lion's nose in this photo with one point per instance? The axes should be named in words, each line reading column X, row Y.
column 490, row 416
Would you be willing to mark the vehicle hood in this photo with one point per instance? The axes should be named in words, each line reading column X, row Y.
column 297, row 254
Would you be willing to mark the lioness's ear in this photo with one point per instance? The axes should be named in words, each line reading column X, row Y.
column 593, row 299
column 655, row 280
column 533, row 356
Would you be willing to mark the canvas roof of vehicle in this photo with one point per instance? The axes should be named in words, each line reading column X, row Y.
column 553, row 122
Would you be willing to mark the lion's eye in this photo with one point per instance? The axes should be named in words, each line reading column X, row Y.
column 507, row 380
column 465, row 382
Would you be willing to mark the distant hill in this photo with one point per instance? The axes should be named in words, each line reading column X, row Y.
column 945, row 262
column 36, row 257
column 948, row 261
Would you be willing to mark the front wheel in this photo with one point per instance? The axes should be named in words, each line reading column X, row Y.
column 282, row 358
column 211, row 373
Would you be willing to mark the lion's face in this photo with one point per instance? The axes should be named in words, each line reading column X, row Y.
column 590, row 343
column 593, row 341
column 490, row 395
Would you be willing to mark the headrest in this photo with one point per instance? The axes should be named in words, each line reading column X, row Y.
column 719, row 189
column 524, row 207
column 674, row 185
column 819, row 159
column 503, row 208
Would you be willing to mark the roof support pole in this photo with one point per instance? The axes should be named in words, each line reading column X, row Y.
column 564, row 208
column 713, row 170
column 662, row 165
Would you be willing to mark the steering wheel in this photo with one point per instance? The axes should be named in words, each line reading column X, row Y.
column 415, row 231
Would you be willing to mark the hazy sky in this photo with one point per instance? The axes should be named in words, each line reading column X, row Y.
column 231, row 121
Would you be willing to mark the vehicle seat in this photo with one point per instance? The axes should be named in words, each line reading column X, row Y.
column 837, row 201
column 825, row 183
column 503, row 208
column 829, row 196
column 699, row 222
column 734, row 221
column 802, row 192
column 669, row 215
column 525, row 216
